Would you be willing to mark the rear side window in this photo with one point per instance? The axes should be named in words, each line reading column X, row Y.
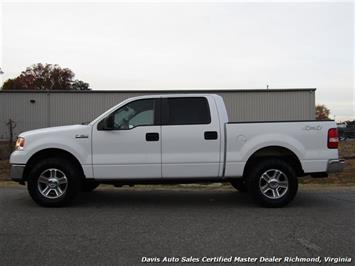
column 187, row 111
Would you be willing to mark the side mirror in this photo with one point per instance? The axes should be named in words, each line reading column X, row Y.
column 107, row 123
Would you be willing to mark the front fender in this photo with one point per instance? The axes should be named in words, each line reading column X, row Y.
column 80, row 148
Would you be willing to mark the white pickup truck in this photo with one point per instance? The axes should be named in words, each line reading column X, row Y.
column 181, row 138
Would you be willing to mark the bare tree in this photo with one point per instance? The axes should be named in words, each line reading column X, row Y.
column 322, row 112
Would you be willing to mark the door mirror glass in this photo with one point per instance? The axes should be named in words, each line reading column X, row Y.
column 109, row 122
column 106, row 124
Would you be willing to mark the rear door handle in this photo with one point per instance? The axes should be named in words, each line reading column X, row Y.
column 211, row 135
column 152, row 136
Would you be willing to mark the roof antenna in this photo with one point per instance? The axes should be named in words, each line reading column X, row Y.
column 267, row 87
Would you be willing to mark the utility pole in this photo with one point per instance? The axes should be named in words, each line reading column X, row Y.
column 1, row 72
column 11, row 124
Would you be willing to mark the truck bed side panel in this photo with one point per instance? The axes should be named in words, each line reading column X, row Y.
column 306, row 139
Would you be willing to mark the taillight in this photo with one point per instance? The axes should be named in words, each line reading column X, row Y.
column 333, row 138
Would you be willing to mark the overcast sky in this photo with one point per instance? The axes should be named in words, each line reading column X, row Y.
column 116, row 46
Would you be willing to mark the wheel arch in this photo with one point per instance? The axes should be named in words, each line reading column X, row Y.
column 279, row 152
column 51, row 152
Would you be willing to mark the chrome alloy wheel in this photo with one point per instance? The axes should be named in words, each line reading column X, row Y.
column 273, row 184
column 52, row 183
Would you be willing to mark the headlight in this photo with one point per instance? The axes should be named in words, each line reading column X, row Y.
column 20, row 142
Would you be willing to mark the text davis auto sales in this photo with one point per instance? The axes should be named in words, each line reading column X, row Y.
column 232, row 259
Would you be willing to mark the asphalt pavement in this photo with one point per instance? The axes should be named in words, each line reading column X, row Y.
column 125, row 226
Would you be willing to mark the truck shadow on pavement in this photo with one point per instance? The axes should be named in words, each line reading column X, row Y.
column 185, row 199
column 164, row 198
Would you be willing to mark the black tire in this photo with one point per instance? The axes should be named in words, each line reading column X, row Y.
column 89, row 185
column 240, row 184
column 63, row 166
column 257, row 183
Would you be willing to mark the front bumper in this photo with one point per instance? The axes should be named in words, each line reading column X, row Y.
column 335, row 166
column 16, row 172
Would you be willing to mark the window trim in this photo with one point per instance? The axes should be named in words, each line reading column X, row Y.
column 157, row 115
column 165, row 111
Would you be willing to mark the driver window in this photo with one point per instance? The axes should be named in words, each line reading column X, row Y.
column 137, row 113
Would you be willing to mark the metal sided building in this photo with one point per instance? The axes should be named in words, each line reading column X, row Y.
column 38, row 109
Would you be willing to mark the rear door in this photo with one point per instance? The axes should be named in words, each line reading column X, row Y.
column 190, row 137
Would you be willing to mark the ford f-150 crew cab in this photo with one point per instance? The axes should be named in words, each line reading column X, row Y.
column 181, row 138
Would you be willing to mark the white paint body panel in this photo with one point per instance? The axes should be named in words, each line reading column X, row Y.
column 309, row 145
column 58, row 138
column 126, row 153
column 185, row 153
column 182, row 151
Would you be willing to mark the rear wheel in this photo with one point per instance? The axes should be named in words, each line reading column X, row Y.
column 273, row 183
column 53, row 182
column 240, row 184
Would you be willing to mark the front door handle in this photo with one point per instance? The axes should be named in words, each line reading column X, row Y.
column 211, row 135
column 152, row 136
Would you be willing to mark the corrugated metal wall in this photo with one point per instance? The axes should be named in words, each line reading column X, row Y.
column 65, row 108
column 270, row 105
column 17, row 106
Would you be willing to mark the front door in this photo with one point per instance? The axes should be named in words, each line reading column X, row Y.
column 130, row 147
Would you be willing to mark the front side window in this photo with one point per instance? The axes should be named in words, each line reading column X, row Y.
column 137, row 113
column 188, row 111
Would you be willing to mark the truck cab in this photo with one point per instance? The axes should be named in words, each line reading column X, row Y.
column 159, row 137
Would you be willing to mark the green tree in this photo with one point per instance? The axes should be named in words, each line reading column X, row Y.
column 80, row 85
column 45, row 77
column 322, row 112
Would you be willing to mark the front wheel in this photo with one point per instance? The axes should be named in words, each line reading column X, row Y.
column 273, row 183
column 53, row 182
